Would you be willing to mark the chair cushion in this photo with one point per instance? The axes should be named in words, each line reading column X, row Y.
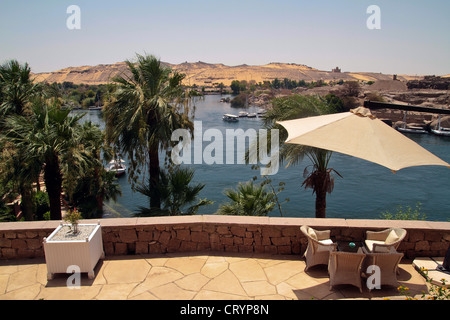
column 312, row 233
column 326, row 242
column 392, row 237
column 370, row 243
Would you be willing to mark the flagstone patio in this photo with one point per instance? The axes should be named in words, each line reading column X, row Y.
column 196, row 276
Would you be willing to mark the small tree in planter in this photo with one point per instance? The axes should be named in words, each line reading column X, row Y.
column 72, row 217
column 81, row 246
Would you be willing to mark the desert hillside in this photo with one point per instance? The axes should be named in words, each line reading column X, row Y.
column 207, row 74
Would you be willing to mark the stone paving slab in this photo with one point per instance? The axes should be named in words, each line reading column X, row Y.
column 204, row 276
column 430, row 266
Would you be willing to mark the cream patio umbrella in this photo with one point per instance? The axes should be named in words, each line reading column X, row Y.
column 360, row 134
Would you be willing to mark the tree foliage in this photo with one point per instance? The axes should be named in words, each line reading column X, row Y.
column 248, row 200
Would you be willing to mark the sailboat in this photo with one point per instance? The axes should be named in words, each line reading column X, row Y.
column 117, row 166
column 441, row 131
column 410, row 129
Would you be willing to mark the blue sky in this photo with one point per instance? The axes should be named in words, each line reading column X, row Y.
column 413, row 39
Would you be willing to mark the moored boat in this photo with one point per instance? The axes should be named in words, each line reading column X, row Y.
column 441, row 131
column 117, row 166
column 262, row 112
column 410, row 129
column 230, row 117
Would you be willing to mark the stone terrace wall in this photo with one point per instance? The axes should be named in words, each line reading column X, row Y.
column 123, row 236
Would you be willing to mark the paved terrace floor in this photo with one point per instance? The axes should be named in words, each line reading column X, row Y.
column 196, row 276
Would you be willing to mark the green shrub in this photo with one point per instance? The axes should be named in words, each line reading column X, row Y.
column 42, row 204
column 407, row 213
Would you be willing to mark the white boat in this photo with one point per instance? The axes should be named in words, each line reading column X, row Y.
column 117, row 166
column 243, row 114
column 262, row 111
column 251, row 115
column 441, row 131
column 410, row 129
column 230, row 117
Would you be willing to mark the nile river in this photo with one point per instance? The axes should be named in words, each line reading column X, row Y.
column 366, row 189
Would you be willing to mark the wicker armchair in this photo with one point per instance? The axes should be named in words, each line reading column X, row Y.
column 383, row 241
column 319, row 246
column 345, row 268
column 388, row 264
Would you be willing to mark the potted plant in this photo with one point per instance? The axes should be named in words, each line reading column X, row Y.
column 72, row 217
column 73, row 244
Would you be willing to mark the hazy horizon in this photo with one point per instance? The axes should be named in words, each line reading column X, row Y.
column 322, row 34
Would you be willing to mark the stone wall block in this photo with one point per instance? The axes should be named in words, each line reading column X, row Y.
column 33, row 244
column 223, row 230
column 238, row 231
column 200, row 236
column 422, row 245
column 120, row 248
column 141, row 247
column 128, row 235
column 184, row 235
column 416, row 235
column 164, row 237
column 154, row 247
column 5, row 243
column 281, row 241
column 19, row 244
column 290, row 231
column 145, row 236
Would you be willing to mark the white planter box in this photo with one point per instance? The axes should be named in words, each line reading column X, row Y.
column 63, row 249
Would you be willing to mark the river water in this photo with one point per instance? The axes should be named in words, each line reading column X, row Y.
column 365, row 191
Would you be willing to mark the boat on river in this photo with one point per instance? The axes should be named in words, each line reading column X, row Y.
column 230, row 117
column 410, row 129
column 117, row 166
column 441, row 131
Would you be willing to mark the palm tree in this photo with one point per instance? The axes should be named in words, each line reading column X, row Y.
column 49, row 135
column 17, row 90
column 248, row 200
column 97, row 184
column 177, row 195
column 320, row 179
column 16, row 87
column 146, row 107
column 22, row 172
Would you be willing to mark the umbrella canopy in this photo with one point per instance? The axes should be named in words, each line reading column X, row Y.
column 360, row 134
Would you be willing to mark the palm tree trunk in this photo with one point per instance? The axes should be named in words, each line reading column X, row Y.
column 100, row 190
column 154, row 171
column 321, row 194
column 321, row 203
column 27, row 201
column 53, row 184
column 99, row 198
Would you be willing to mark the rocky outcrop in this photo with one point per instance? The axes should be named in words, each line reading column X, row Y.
column 430, row 82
